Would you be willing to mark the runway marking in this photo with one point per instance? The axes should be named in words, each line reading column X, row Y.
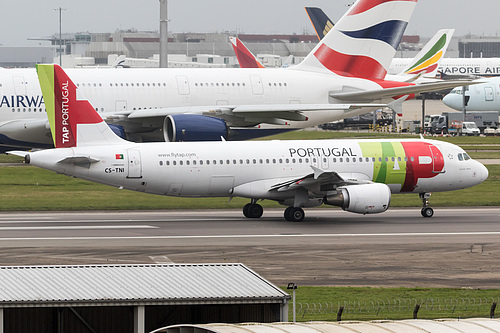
column 81, row 227
column 161, row 259
column 412, row 234
column 117, row 221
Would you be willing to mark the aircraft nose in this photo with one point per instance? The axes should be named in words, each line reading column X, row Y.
column 483, row 172
column 453, row 101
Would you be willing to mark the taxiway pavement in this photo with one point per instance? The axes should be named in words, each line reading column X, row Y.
column 458, row 247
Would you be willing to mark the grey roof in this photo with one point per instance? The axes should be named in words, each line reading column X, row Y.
column 134, row 285
column 476, row 325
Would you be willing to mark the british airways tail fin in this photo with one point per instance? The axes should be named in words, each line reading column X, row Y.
column 428, row 59
column 73, row 121
column 364, row 41
column 246, row 59
column 320, row 21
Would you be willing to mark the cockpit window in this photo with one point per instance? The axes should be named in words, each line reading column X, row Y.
column 463, row 157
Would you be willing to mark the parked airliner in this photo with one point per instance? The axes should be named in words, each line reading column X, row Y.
column 357, row 175
column 458, row 67
column 480, row 97
column 342, row 77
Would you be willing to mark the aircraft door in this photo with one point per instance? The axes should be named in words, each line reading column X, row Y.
column 437, row 160
column 257, row 86
column 488, row 94
column 134, row 163
column 19, row 85
column 120, row 105
column 182, row 84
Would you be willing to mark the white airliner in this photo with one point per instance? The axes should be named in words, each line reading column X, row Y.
column 457, row 67
column 343, row 74
column 480, row 97
column 357, row 175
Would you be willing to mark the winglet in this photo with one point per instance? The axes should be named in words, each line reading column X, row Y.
column 397, row 105
column 73, row 121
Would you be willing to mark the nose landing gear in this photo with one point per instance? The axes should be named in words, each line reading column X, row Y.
column 426, row 210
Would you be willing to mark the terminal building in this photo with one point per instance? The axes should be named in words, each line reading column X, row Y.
column 141, row 48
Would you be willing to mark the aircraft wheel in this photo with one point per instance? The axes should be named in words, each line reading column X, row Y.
column 427, row 212
column 296, row 214
column 255, row 211
column 246, row 208
column 287, row 214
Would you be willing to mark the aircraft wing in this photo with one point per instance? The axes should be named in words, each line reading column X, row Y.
column 266, row 113
column 320, row 180
column 370, row 95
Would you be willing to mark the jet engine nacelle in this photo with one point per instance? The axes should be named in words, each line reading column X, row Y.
column 118, row 130
column 193, row 127
column 361, row 199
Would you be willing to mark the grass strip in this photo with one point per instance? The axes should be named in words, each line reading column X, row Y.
column 27, row 188
column 366, row 303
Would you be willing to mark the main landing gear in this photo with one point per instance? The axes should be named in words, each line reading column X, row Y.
column 294, row 214
column 253, row 210
column 426, row 210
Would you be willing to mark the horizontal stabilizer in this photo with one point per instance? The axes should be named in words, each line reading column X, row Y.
column 18, row 153
column 78, row 160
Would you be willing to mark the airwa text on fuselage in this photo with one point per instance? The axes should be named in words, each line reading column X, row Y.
column 21, row 101
column 321, row 152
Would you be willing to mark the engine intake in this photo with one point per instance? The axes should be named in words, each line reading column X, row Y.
column 193, row 127
column 361, row 199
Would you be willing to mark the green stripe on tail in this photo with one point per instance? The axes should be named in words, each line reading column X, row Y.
column 46, row 79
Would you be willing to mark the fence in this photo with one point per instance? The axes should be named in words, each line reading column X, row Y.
column 399, row 309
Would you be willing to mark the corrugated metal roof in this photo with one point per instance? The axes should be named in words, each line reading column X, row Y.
column 135, row 284
column 476, row 325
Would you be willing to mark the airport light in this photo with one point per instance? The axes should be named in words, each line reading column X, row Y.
column 163, row 34
column 292, row 286
column 60, row 33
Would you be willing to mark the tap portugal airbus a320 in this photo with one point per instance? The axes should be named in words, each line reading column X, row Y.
column 357, row 175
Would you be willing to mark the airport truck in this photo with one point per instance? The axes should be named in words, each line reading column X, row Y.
column 382, row 118
column 453, row 122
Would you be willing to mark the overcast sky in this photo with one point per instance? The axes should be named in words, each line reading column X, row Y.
column 35, row 18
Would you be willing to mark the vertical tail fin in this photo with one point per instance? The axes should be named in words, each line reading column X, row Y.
column 73, row 121
column 364, row 41
column 245, row 58
column 320, row 21
column 428, row 59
